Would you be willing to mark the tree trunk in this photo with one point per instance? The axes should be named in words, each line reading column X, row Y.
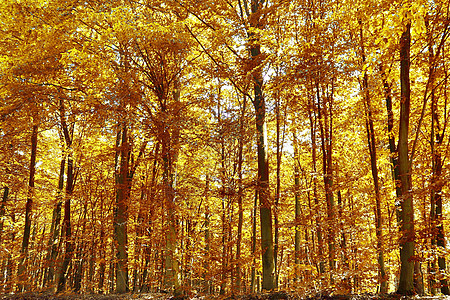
column 297, row 209
column 382, row 278
column 268, row 282
column 2, row 210
column 326, row 129
column 67, row 227
column 121, row 214
column 312, row 122
column 4, row 267
column 171, row 265
column 344, row 250
column 392, row 148
column 55, row 227
column 438, row 238
column 406, row 242
column 80, row 254
column 223, row 195
column 239, row 200
column 102, row 251
column 436, row 141
column 253, row 272
column 170, row 137
column 206, row 273
column 28, row 210
column 263, row 190
column 278, row 188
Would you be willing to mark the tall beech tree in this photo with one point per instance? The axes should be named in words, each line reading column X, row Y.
column 259, row 103
column 406, row 281
column 373, row 166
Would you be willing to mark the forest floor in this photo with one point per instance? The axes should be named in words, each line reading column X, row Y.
column 161, row 296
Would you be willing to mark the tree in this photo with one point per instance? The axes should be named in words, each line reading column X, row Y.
column 66, row 232
column 374, row 168
column 259, row 104
column 406, row 281
column 438, row 127
column 28, row 208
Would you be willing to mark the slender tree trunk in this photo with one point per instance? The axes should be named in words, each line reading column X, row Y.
column 67, row 227
column 28, row 210
column 121, row 214
column 145, row 287
column 224, row 193
column 102, row 252
column 2, row 210
column 206, row 273
column 406, row 242
column 263, row 189
column 92, row 258
column 171, row 265
column 268, row 282
column 326, row 129
column 78, row 266
column 278, row 188
column 345, row 260
column 297, row 209
column 392, row 148
column 436, row 141
column 80, row 254
column 170, row 155
column 382, row 278
column 312, row 121
column 253, row 272
column 239, row 200
column 438, row 238
column 4, row 267
column 55, row 227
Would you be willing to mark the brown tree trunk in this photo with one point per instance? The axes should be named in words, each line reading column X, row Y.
column 239, row 200
column 326, row 129
column 28, row 210
column 313, row 126
column 268, row 281
column 55, row 227
column 67, row 227
column 253, row 271
column 2, row 210
column 406, row 242
column 4, row 267
column 169, row 142
column 206, row 273
column 121, row 213
column 436, row 141
column 102, row 251
column 297, row 240
column 145, row 287
column 224, row 193
column 278, row 188
column 382, row 278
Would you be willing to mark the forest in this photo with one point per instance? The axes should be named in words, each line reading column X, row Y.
column 224, row 147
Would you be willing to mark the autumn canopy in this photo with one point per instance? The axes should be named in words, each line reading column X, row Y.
column 224, row 147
